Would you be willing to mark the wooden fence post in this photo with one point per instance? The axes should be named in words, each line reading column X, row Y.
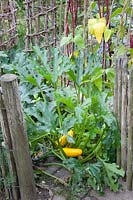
column 8, row 143
column 3, row 171
column 117, row 102
column 124, row 101
column 130, row 132
column 18, row 136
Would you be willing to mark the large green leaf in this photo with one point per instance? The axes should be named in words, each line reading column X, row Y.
column 72, row 76
column 3, row 54
column 107, row 34
column 32, row 80
column 79, row 41
column 110, row 72
column 66, row 40
column 43, row 112
column 96, row 74
column 79, row 113
column 68, row 123
column 112, row 172
column 116, row 12
column 98, row 82
column 42, row 55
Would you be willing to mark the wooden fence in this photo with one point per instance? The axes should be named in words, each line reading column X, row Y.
column 123, row 108
column 41, row 18
column 40, row 23
column 8, row 24
column 16, row 143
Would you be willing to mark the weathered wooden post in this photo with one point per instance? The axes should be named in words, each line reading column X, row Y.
column 8, row 143
column 18, row 136
column 118, row 100
column 124, row 102
column 3, row 171
column 115, row 100
column 130, row 132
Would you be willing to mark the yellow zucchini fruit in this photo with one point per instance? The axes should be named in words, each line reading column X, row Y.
column 72, row 152
column 63, row 139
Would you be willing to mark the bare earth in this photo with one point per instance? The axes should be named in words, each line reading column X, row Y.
column 51, row 189
column 123, row 194
column 59, row 192
column 92, row 195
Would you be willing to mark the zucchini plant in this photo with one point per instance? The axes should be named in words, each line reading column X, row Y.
column 62, row 96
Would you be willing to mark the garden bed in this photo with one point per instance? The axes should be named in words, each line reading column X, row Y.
column 57, row 189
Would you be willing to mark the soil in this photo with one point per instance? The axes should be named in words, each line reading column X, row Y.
column 56, row 191
column 49, row 188
column 122, row 194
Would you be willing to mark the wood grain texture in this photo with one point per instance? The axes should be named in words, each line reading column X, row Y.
column 130, row 133
column 124, row 113
column 8, row 143
column 18, row 136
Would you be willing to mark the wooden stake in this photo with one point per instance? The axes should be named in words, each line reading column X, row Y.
column 130, row 133
column 3, row 172
column 18, row 136
column 86, row 3
column 124, row 114
column 8, row 143
column 115, row 100
column 119, row 105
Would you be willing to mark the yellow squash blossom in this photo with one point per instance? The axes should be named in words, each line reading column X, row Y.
column 99, row 30
column 103, row 20
column 91, row 23
column 97, row 27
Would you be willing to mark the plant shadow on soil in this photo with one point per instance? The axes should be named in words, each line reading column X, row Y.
column 59, row 189
column 51, row 189
column 56, row 191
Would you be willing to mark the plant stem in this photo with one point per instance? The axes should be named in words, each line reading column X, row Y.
column 60, row 116
column 43, row 96
column 58, row 156
column 79, row 94
column 102, row 15
column 107, row 11
column 99, row 8
column 85, row 33
column 30, row 119
column 90, row 156
column 55, row 164
column 51, row 140
column 52, row 176
column 121, row 22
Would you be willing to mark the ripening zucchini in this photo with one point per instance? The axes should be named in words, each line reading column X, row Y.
column 63, row 139
column 72, row 152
